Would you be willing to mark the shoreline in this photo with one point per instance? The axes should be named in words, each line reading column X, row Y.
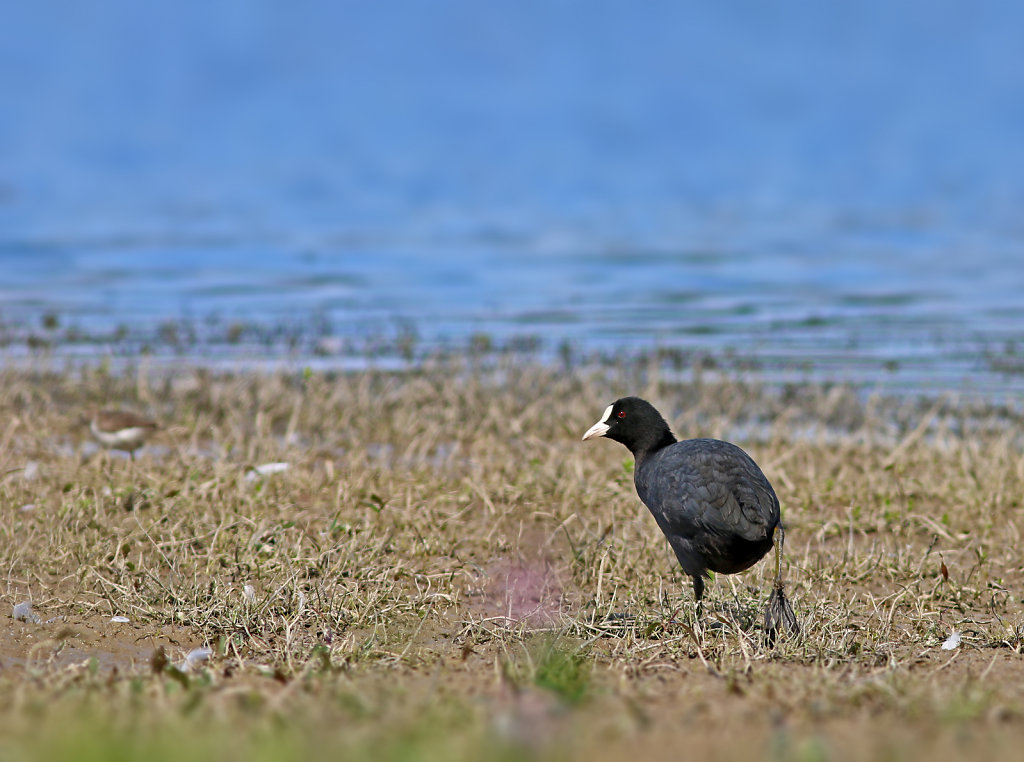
column 999, row 384
column 984, row 367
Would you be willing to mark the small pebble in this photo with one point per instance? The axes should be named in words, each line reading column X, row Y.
column 266, row 470
column 120, row 619
column 23, row 613
column 952, row 641
column 194, row 658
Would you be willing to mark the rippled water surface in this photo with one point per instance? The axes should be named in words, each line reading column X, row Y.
column 835, row 189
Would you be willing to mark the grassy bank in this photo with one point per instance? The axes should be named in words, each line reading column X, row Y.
column 444, row 570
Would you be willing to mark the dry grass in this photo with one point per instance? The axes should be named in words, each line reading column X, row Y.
column 445, row 570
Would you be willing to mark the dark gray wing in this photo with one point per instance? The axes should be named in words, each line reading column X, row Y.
column 707, row 487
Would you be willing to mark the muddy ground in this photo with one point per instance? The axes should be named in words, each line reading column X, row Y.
column 442, row 569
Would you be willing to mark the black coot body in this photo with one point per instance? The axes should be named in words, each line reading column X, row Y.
column 715, row 506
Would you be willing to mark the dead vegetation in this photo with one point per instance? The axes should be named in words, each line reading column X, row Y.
column 443, row 570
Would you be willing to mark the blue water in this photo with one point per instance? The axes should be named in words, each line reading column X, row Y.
column 836, row 185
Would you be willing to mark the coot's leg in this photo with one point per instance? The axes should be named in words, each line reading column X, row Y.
column 698, row 593
column 780, row 540
column 778, row 613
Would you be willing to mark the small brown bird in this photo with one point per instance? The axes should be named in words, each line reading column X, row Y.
column 121, row 430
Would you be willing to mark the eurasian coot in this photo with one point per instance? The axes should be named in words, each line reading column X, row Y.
column 715, row 506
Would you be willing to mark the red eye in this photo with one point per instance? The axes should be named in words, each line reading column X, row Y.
column 622, row 414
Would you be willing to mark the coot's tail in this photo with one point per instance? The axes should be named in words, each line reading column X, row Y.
column 778, row 614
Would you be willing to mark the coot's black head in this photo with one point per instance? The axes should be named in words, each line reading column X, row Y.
column 635, row 423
